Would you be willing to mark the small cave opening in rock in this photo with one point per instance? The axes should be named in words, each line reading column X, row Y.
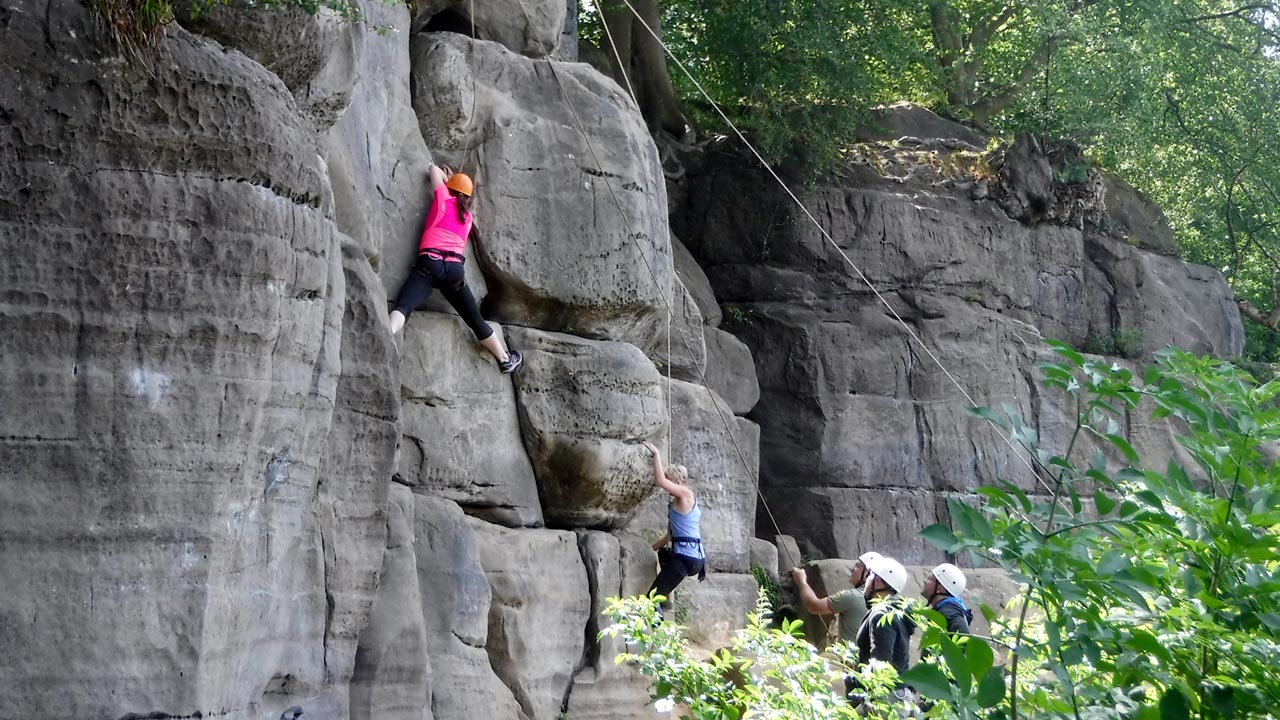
column 449, row 20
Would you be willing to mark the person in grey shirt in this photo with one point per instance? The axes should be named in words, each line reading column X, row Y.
column 850, row 605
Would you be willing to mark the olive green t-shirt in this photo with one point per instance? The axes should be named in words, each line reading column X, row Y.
column 852, row 608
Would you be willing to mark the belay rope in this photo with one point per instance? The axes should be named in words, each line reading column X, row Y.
column 668, row 301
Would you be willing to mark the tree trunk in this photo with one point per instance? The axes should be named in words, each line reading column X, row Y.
column 644, row 63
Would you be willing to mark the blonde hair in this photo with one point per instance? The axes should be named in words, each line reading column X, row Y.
column 678, row 473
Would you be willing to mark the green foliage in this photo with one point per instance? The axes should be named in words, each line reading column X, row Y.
column 767, row 671
column 770, row 591
column 1181, row 99
column 1123, row 342
column 1148, row 592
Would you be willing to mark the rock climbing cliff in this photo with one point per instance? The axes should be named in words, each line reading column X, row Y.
column 227, row 490
column 979, row 254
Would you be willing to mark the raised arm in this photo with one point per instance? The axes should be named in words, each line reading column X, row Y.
column 682, row 494
column 808, row 598
column 438, row 174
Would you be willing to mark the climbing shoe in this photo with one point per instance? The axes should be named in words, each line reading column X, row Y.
column 514, row 360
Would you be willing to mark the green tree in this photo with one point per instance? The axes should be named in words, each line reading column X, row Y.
column 1149, row 593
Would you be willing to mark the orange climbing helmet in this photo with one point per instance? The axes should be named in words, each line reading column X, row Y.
column 461, row 184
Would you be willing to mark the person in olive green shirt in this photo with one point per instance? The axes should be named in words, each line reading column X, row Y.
column 849, row 604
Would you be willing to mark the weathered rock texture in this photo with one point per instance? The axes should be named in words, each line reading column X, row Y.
column 392, row 676
column 861, row 434
column 558, row 254
column 199, row 418
column 541, row 604
column 456, row 603
column 584, row 408
column 202, row 404
column 461, row 434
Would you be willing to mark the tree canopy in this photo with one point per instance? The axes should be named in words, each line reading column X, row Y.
column 1179, row 97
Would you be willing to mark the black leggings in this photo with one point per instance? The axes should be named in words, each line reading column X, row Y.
column 673, row 568
column 451, row 278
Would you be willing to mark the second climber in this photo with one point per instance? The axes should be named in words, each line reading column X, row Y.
column 680, row 552
column 440, row 263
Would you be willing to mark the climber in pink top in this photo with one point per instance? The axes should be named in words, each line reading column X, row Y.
column 440, row 263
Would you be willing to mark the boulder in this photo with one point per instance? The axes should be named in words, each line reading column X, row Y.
column 827, row 577
column 392, row 677
column 541, row 604
column 1133, row 218
column 456, row 602
column 862, row 434
column 906, row 119
column 712, row 611
column 557, row 254
column 175, row 300
column 529, row 27
column 682, row 351
column 306, row 50
column 731, row 371
column 584, row 407
column 696, row 283
column 461, row 436
column 764, row 555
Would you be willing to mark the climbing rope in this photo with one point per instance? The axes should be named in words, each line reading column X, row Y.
column 626, row 74
column 466, row 156
column 831, row 240
column 730, row 429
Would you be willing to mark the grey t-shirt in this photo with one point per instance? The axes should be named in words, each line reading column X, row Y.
column 852, row 608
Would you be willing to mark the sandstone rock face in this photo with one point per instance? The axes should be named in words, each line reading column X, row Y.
column 306, row 51
column 584, row 407
column 764, row 555
column 731, row 371
column 603, row 689
column 456, row 600
column 681, row 351
column 461, row 435
column 904, row 119
column 861, row 433
column 696, row 283
column 540, row 607
column 359, row 457
column 185, row 460
column 531, row 27
column 556, row 252
column 392, row 676
column 713, row 610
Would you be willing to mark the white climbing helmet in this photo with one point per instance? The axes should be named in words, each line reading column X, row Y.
column 869, row 557
column 951, row 578
column 889, row 570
